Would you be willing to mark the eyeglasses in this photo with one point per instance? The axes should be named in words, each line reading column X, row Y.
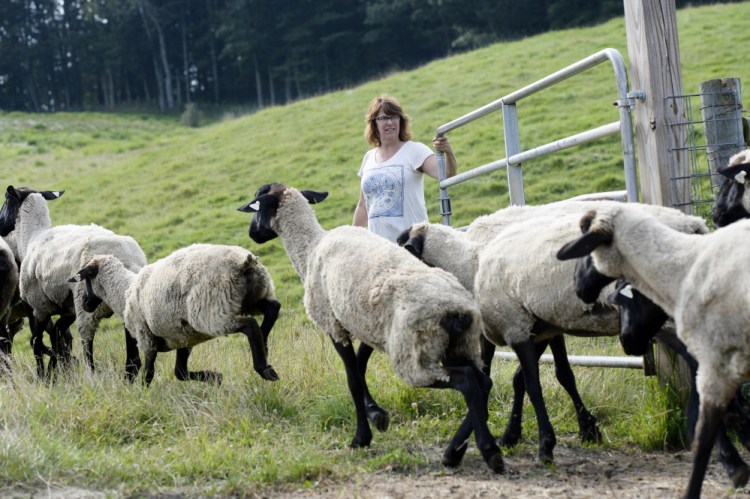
column 387, row 119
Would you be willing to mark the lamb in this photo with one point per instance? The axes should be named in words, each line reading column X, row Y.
column 701, row 281
column 48, row 256
column 359, row 286
column 190, row 296
column 733, row 200
column 525, row 295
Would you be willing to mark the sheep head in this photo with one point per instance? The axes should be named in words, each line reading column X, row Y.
column 14, row 197
column 89, row 271
column 732, row 201
column 265, row 206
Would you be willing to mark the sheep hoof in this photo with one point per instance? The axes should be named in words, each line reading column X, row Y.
column 379, row 418
column 740, row 476
column 589, row 431
column 545, row 456
column 360, row 441
column 509, row 439
column 268, row 373
column 452, row 456
column 495, row 462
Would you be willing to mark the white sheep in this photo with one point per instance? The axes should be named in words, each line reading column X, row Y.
column 194, row 294
column 49, row 256
column 358, row 286
column 526, row 296
column 702, row 282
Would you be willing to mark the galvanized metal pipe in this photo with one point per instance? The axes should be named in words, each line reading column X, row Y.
column 624, row 103
column 585, row 360
column 558, row 145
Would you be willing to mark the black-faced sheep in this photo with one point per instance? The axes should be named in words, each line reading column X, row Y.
column 190, row 296
column 359, row 286
column 733, row 200
column 525, row 295
column 49, row 256
column 700, row 281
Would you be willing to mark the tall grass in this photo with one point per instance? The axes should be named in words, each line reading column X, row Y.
column 169, row 185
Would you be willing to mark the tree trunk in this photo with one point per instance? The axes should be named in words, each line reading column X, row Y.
column 258, row 83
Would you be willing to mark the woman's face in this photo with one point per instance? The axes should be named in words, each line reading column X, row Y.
column 388, row 125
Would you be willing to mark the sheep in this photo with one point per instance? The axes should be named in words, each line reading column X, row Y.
column 8, row 294
column 358, row 286
column 526, row 296
column 697, row 280
column 733, row 200
column 48, row 256
column 190, row 296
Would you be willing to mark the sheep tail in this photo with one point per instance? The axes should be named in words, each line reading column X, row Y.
column 251, row 261
column 455, row 324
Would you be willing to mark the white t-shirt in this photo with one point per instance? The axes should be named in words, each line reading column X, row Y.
column 394, row 190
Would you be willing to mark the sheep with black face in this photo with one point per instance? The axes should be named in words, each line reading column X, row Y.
column 701, row 281
column 359, row 286
column 190, row 296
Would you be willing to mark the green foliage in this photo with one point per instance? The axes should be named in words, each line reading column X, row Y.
column 168, row 186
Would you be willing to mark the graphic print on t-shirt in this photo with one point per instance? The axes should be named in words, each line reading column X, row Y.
column 384, row 191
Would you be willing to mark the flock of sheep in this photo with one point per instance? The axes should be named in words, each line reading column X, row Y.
column 522, row 277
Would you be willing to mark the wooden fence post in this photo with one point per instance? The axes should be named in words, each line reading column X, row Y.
column 654, row 53
column 721, row 106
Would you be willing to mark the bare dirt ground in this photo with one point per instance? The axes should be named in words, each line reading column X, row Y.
column 578, row 473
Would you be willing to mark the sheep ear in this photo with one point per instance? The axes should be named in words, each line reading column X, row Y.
column 251, row 207
column 86, row 272
column 622, row 295
column 314, row 197
column 738, row 173
column 414, row 245
column 582, row 246
column 51, row 195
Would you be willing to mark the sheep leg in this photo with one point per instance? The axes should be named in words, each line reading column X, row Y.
column 65, row 338
column 709, row 422
column 727, row 453
column 149, row 360
column 6, row 345
column 132, row 359
column 475, row 386
column 588, row 429
column 182, row 373
column 270, row 310
column 529, row 360
column 37, row 326
column 258, row 349
column 377, row 415
column 513, row 429
column 454, row 454
column 363, row 434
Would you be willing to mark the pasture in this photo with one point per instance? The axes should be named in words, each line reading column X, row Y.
column 169, row 186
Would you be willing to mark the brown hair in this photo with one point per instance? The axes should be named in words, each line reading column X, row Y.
column 391, row 107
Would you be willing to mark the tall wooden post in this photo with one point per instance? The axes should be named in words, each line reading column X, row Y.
column 654, row 53
column 721, row 109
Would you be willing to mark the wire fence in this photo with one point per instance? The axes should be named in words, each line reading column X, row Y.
column 703, row 183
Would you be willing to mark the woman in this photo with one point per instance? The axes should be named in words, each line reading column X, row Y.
column 391, row 197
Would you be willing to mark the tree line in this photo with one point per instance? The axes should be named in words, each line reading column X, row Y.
column 71, row 55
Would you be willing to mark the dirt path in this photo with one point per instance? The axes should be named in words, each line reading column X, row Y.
column 578, row 473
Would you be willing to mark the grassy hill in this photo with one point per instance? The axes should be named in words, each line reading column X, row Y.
column 168, row 186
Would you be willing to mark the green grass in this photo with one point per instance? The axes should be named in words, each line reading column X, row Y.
column 169, row 185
